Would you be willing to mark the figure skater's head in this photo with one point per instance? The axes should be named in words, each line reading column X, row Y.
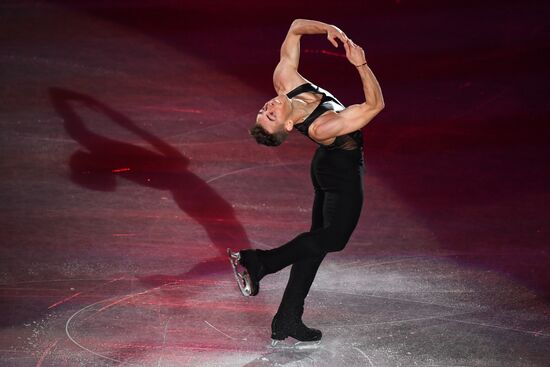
column 273, row 122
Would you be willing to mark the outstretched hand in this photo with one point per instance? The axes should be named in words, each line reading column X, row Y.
column 334, row 33
column 354, row 53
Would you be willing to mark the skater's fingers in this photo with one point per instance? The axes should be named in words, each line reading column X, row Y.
column 348, row 51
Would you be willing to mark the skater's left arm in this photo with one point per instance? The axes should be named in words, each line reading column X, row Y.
column 356, row 116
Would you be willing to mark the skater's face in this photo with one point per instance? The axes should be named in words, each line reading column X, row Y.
column 273, row 116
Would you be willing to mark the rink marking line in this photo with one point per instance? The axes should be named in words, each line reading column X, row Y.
column 77, row 343
column 125, row 297
column 364, row 355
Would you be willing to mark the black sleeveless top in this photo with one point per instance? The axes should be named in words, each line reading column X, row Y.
column 328, row 102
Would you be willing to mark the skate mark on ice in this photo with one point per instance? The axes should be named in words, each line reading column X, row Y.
column 132, row 295
column 197, row 130
column 230, row 121
column 221, row 332
column 65, row 300
column 432, row 317
column 254, row 167
column 171, row 109
column 163, row 341
column 540, row 332
column 364, row 355
column 83, row 292
column 535, row 333
column 46, row 352
column 361, row 264
column 56, row 281
column 386, row 297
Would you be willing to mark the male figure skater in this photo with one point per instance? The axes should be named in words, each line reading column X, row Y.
column 336, row 173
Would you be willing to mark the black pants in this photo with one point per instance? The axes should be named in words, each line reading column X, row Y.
column 337, row 177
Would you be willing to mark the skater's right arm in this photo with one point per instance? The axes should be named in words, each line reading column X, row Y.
column 286, row 75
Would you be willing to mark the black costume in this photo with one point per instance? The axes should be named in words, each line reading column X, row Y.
column 337, row 176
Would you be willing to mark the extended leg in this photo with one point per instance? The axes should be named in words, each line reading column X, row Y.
column 345, row 208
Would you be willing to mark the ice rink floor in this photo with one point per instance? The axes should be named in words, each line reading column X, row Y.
column 127, row 171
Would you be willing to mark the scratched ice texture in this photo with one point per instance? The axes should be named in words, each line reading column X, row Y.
column 127, row 170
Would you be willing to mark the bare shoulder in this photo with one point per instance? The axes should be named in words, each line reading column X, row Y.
column 286, row 78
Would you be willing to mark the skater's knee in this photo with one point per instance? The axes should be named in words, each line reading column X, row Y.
column 336, row 241
column 328, row 239
column 338, row 245
column 317, row 252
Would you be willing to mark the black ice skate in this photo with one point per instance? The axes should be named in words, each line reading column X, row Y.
column 283, row 327
column 247, row 271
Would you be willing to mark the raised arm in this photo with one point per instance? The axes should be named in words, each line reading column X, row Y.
column 356, row 116
column 286, row 75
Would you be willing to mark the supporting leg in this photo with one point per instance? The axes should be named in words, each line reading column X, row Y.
column 288, row 320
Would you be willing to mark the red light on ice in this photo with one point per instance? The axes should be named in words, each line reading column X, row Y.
column 121, row 170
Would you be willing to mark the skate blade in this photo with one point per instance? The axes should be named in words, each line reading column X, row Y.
column 243, row 278
column 299, row 345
